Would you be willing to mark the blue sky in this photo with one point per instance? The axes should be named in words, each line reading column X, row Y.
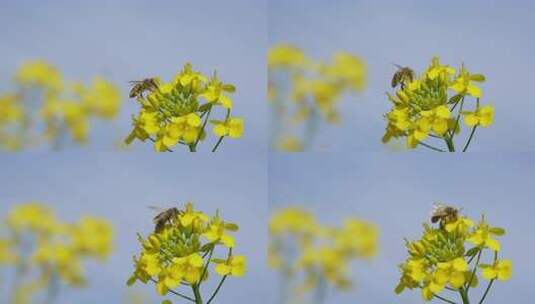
column 490, row 37
column 397, row 191
column 121, row 186
column 133, row 40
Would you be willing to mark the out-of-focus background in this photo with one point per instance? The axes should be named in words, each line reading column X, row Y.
column 120, row 187
column 125, row 41
column 397, row 192
column 490, row 37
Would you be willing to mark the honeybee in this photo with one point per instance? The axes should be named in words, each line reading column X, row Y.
column 444, row 214
column 164, row 217
column 141, row 86
column 402, row 76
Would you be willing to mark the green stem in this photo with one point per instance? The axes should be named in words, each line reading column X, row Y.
column 470, row 138
column 221, row 138
column 486, row 291
column 203, row 126
column 473, row 130
column 176, row 293
column 217, row 289
column 491, row 281
column 206, row 266
column 464, row 296
column 469, row 283
column 444, row 299
column 229, row 255
column 452, row 133
column 218, row 143
column 449, row 143
column 197, row 293
column 430, row 147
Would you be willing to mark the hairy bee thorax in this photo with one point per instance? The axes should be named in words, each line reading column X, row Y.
column 403, row 76
column 444, row 215
column 139, row 87
column 165, row 217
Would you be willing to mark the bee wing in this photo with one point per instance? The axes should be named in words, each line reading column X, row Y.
column 436, row 208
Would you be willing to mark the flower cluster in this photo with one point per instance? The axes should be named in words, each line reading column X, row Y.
column 46, row 252
column 46, row 107
column 316, row 256
column 448, row 257
column 177, row 112
column 304, row 92
column 180, row 250
column 431, row 106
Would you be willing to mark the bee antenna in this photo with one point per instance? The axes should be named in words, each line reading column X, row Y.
column 397, row 65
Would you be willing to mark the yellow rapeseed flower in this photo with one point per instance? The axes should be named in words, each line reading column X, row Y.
column 181, row 250
column 463, row 84
column 445, row 258
column 424, row 107
column 483, row 116
column 501, row 270
column 234, row 266
column 178, row 111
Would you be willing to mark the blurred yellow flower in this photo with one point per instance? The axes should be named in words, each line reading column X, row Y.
column 7, row 255
column 303, row 92
column 41, row 245
column 311, row 254
column 41, row 74
column 285, row 55
column 61, row 108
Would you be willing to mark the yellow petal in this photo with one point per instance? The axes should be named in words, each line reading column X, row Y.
column 457, row 279
column 488, row 273
column 194, row 120
column 505, row 270
column 227, row 240
column 493, row 244
column 442, row 112
column 440, row 126
column 196, row 261
column 471, row 119
column 220, row 130
column 222, row 269
column 190, row 136
column 474, row 91
column 225, row 101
